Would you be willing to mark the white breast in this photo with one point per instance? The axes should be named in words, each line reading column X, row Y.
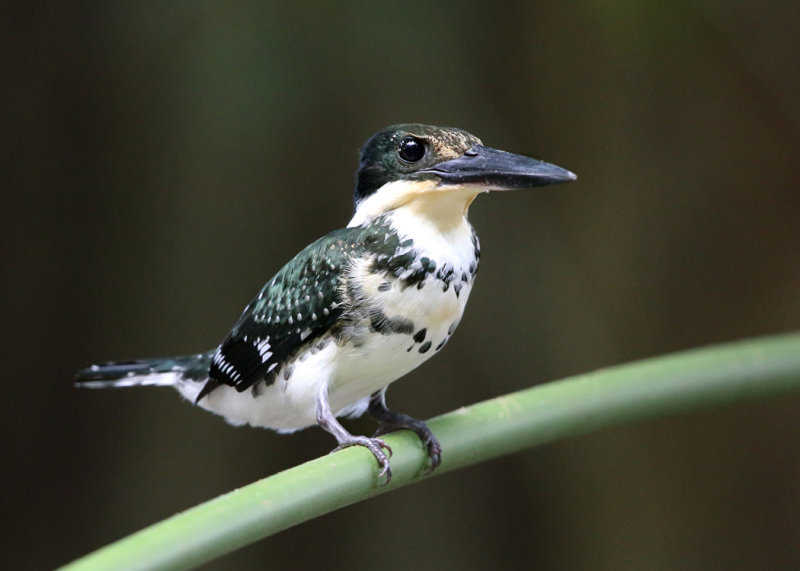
column 373, row 361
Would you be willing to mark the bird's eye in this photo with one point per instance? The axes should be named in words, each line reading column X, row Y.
column 411, row 149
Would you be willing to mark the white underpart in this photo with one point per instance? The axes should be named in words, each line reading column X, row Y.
column 436, row 220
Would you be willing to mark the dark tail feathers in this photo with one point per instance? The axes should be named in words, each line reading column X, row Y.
column 145, row 372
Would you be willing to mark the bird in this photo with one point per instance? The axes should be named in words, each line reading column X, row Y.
column 360, row 307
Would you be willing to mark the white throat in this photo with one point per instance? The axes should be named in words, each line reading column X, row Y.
column 419, row 202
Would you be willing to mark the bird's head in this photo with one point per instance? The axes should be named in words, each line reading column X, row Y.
column 407, row 163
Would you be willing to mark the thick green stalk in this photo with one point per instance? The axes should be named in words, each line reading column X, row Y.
column 679, row 383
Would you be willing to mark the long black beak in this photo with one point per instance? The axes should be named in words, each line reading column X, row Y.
column 498, row 170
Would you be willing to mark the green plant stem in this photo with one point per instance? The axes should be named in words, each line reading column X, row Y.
column 679, row 383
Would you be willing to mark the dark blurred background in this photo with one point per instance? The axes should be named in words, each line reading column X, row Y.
column 162, row 160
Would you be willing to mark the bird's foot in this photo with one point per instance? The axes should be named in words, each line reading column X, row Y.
column 377, row 447
column 425, row 434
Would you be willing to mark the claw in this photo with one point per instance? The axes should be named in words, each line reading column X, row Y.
column 376, row 446
column 434, row 452
column 328, row 422
column 391, row 421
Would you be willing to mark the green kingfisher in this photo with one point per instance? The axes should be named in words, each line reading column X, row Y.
column 360, row 307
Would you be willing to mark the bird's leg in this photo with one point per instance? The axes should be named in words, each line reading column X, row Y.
column 391, row 420
column 328, row 422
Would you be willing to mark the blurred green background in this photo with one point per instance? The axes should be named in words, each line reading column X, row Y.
column 162, row 160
